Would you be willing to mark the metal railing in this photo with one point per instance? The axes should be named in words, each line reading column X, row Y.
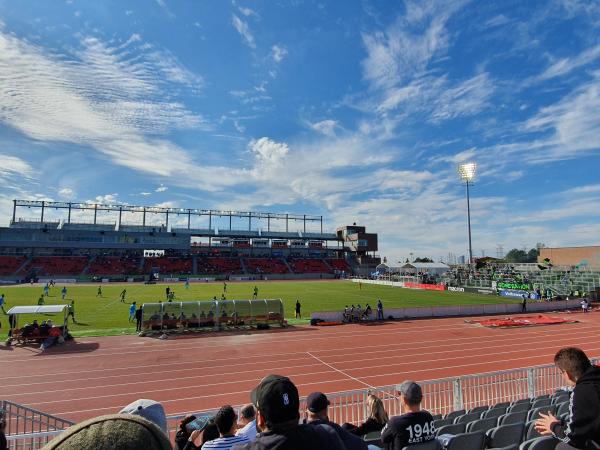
column 440, row 396
column 28, row 428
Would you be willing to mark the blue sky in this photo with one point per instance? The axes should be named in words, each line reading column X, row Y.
column 359, row 111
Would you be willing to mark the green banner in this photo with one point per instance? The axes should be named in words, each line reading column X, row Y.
column 517, row 286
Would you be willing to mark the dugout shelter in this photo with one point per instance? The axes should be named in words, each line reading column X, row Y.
column 62, row 311
column 211, row 314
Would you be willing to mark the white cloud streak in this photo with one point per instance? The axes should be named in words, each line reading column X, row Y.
column 244, row 30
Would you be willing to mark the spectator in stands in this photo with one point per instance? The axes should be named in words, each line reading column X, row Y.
column 247, row 422
column 379, row 310
column 149, row 410
column 183, row 433
column 226, row 421
column 581, row 429
column 377, row 419
column 298, row 306
column 277, row 402
column 101, row 433
column 138, row 319
column 316, row 414
column 414, row 427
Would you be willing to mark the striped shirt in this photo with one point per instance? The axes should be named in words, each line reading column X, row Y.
column 225, row 443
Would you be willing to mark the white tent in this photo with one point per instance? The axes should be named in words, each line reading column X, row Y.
column 37, row 309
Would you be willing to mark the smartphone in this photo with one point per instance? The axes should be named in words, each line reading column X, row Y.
column 198, row 424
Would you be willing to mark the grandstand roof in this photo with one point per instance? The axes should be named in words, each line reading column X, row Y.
column 418, row 266
column 43, row 309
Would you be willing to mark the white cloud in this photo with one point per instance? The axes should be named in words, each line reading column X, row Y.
column 67, row 193
column 567, row 65
column 104, row 98
column 269, row 151
column 248, row 12
column 161, row 188
column 107, row 199
column 278, row 53
column 145, row 194
column 244, row 30
column 326, row 127
column 11, row 165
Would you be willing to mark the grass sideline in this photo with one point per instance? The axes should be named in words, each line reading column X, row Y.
column 106, row 315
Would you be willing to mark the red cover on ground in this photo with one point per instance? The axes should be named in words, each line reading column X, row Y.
column 522, row 321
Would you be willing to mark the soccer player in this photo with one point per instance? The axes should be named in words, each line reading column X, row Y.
column 224, row 286
column 2, row 301
column 46, row 290
column 132, row 312
column 72, row 311
column 255, row 294
column 298, row 306
column 123, row 294
column 99, row 293
column 64, row 292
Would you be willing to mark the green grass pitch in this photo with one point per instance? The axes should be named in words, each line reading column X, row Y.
column 108, row 316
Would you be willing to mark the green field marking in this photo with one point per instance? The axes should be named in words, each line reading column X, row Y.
column 108, row 316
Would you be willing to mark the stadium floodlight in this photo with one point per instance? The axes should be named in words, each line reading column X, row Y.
column 467, row 174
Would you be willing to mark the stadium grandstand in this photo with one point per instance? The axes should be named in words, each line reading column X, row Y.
column 82, row 241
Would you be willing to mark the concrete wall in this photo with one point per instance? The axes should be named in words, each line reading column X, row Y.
column 572, row 256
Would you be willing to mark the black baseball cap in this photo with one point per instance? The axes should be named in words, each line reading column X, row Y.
column 411, row 391
column 277, row 399
column 317, row 401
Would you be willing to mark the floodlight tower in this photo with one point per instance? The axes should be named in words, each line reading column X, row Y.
column 467, row 174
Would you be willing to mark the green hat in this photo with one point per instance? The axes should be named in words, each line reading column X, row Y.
column 111, row 432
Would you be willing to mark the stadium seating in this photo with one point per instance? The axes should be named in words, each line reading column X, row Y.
column 56, row 265
column 10, row 264
column 175, row 265
column 305, row 265
column 216, row 266
column 114, row 265
column 339, row 264
column 266, row 265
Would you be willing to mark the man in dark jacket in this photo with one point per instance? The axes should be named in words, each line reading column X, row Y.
column 277, row 403
column 414, row 427
column 316, row 414
column 581, row 429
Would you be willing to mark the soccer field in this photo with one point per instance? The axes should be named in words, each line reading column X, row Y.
column 107, row 315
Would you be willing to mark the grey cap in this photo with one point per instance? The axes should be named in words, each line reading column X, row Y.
column 411, row 391
column 148, row 409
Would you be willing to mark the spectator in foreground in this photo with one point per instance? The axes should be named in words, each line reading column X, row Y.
column 581, row 429
column 277, row 403
column 112, row 432
column 191, row 431
column 316, row 414
column 247, row 422
column 226, row 421
column 377, row 419
column 413, row 427
column 183, row 433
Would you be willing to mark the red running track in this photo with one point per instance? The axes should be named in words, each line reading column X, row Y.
column 95, row 376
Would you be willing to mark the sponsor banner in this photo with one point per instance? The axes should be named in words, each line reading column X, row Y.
column 514, row 286
column 485, row 291
column 513, row 293
column 57, row 280
column 429, row 287
column 455, row 289
column 204, row 280
column 171, row 280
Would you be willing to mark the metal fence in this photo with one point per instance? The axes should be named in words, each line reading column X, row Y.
column 440, row 396
column 28, row 428
column 210, row 314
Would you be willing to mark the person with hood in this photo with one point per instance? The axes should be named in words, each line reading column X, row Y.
column 581, row 428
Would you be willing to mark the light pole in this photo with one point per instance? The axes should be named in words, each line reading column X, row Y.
column 467, row 174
